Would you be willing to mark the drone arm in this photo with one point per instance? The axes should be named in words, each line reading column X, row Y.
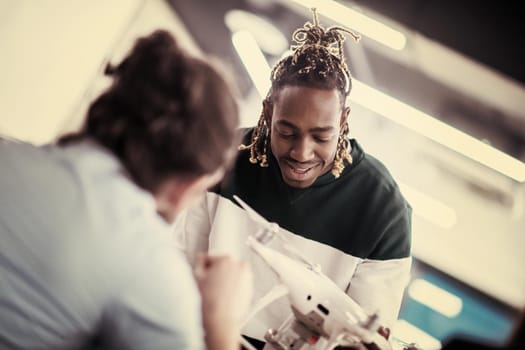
column 275, row 293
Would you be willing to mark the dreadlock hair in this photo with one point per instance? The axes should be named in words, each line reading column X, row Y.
column 166, row 114
column 317, row 60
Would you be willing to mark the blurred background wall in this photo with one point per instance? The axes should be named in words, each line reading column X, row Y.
column 439, row 97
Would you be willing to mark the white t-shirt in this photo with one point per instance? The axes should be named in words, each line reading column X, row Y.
column 218, row 226
column 84, row 256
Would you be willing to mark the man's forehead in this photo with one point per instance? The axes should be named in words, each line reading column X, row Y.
column 311, row 128
column 301, row 90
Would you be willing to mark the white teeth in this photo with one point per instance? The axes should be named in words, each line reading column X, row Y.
column 300, row 170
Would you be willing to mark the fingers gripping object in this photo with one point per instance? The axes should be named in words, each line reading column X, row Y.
column 322, row 315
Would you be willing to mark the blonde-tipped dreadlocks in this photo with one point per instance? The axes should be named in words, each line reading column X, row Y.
column 317, row 61
column 255, row 153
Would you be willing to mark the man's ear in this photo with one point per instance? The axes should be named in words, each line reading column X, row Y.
column 267, row 111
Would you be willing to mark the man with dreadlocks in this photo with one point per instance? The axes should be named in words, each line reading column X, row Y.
column 338, row 205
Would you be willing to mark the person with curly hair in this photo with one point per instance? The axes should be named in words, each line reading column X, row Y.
column 87, row 259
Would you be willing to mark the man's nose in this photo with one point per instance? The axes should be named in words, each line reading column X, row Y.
column 302, row 150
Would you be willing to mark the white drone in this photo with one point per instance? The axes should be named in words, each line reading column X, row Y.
column 323, row 316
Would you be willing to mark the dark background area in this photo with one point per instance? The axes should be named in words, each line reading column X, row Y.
column 489, row 32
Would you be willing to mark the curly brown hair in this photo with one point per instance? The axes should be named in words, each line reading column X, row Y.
column 165, row 114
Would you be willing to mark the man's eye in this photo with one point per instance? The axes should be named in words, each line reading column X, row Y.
column 286, row 135
column 322, row 139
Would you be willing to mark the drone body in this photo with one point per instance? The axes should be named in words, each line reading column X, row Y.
column 321, row 308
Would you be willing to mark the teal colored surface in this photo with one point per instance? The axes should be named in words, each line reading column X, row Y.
column 481, row 318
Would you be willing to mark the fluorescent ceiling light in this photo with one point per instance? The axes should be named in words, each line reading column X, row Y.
column 269, row 38
column 253, row 60
column 357, row 21
column 435, row 298
column 436, row 130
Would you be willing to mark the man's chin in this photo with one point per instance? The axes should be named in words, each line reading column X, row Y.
column 296, row 183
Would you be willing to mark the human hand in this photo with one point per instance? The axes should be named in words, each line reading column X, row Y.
column 380, row 342
column 384, row 331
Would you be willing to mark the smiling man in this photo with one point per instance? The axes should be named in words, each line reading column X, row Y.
column 305, row 129
column 299, row 168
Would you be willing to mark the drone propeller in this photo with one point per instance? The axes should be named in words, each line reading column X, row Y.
column 255, row 216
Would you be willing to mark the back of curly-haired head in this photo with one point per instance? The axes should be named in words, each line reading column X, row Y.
column 317, row 61
column 166, row 113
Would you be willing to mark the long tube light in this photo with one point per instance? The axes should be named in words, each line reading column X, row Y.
column 253, row 59
column 435, row 298
column 363, row 24
column 436, row 130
